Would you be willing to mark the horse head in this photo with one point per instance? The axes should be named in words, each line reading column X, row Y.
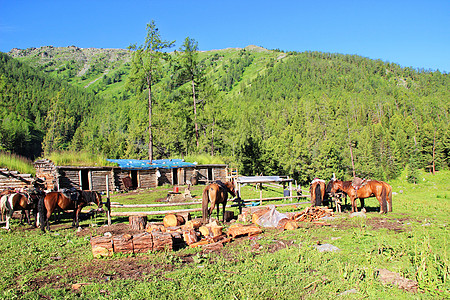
column 230, row 186
column 98, row 198
column 334, row 185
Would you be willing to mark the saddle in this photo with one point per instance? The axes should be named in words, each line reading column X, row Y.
column 222, row 186
column 358, row 183
column 71, row 193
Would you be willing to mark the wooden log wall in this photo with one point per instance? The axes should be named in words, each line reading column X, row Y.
column 15, row 180
column 166, row 177
column 148, row 179
column 68, row 178
column 98, row 178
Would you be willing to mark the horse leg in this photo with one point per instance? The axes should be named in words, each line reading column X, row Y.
column 211, row 209
column 363, row 209
column 223, row 210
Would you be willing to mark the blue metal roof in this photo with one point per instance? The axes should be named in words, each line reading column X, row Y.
column 136, row 164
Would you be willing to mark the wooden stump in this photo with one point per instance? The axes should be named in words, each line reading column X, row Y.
column 138, row 222
column 101, row 246
column 142, row 242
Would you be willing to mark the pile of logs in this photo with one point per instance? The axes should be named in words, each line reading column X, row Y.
column 179, row 231
column 312, row 214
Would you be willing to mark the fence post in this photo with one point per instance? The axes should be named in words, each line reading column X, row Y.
column 108, row 202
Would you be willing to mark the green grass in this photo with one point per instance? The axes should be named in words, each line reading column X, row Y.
column 16, row 163
column 411, row 241
column 79, row 159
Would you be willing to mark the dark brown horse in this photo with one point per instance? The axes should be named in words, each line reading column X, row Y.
column 317, row 192
column 11, row 201
column 216, row 193
column 75, row 201
column 371, row 188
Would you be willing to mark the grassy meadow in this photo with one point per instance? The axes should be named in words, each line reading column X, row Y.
column 412, row 241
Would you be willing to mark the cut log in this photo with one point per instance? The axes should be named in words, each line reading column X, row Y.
column 215, row 230
column 192, row 224
column 291, row 225
column 190, row 237
column 162, row 241
column 205, row 231
column 151, row 227
column 101, row 246
column 186, row 216
column 200, row 243
column 142, row 242
column 123, row 243
column 212, row 247
column 138, row 222
column 171, row 220
column 239, row 229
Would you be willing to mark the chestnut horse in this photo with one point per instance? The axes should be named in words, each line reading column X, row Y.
column 317, row 191
column 371, row 188
column 11, row 201
column 216, row 193
column 76, row 201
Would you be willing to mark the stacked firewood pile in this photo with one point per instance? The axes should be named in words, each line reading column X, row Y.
column 178, row 231
column 175, row 233
column 312, row 214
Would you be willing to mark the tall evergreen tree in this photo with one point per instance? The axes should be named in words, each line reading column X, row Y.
column 190, row 66
column 145, row 65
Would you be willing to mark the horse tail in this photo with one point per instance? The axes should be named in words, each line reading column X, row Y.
column 205, row 200
column 42, row 213
column 318, row 194
column 390, row 199
column 383, row 199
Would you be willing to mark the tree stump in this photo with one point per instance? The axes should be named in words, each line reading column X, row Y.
column 138, row 222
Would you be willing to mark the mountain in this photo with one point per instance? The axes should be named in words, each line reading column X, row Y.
column 264, row 111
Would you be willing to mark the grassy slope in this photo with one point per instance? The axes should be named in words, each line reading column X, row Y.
column 412, row 241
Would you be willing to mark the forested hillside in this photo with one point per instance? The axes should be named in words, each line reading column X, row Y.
column 264, row 111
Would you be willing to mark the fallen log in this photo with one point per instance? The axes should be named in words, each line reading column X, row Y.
column 142, row 242
column 101, row 246
column 239, row 229
column 123, row 243
column 162, row 241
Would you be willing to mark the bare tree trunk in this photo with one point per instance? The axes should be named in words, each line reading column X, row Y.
column 351, row 151
column 434, row 152
column 212, row 139
column 150, row 136
column 195, row 113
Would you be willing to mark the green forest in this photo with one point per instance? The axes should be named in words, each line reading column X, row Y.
column 271, row 112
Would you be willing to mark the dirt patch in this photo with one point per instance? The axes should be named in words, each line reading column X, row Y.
column 114, row 229
column 376, row 223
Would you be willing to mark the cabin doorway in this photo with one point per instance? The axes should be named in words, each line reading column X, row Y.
column 134, row 178
column 84, row 180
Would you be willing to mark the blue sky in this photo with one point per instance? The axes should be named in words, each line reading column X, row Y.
column 410, row 33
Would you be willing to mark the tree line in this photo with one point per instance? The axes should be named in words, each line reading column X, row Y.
column 265, row 112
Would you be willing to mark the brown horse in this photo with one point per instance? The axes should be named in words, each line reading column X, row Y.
column 370, row 189
column 75, row 201
column 317, row 191
column 216, row 193
column 10, row 202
